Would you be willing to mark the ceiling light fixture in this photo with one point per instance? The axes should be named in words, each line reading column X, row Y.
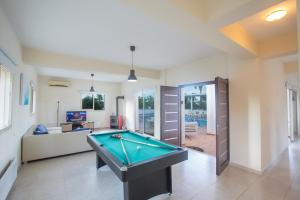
column 132, row 77
column 92, row 86
column 276, row 15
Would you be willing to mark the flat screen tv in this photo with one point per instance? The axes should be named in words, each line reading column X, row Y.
column 73, row 116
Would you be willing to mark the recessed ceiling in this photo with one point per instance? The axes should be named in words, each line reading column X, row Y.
column 102, row 30
column 261, row 29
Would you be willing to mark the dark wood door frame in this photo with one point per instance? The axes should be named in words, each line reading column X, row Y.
column 218, row 169
column 198, row 83
column 170, row 127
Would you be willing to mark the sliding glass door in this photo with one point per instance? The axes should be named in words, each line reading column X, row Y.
column 146, row 112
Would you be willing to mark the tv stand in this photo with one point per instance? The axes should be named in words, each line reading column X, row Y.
column 77, row 124
column 70, row 126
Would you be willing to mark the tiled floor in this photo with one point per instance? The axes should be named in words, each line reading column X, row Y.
column 75, row 178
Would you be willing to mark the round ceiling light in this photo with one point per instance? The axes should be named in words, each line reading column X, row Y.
column 276, row 15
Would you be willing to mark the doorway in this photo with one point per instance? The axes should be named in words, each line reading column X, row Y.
column 292, row 113
column 171, row 117
column 198, row 117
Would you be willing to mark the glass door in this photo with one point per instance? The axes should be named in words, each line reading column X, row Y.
column 146, row 112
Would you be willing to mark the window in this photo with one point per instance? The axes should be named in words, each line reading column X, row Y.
column 87, row 101
column 146, row 112
column 188, row 100
column 98, row 102
column 92, row 101
column 5, row 97
column 195, row 102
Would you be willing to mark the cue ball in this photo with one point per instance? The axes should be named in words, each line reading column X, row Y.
column 138, row 147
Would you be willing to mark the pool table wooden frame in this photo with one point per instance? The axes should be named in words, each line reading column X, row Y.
column 142, row 180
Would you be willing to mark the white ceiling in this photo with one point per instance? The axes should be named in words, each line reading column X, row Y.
column 261, row 29
column 101, row 30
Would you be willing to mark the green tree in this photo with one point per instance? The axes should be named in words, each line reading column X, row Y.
column 140, row 101
column 203, row 104
column 187, row 100
column 149, row 102
column 98, row 102
column 87, row 102
column 196, row 102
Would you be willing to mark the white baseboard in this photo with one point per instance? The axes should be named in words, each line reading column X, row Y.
column 275, row 160
column 269, row 166
column 246, row 168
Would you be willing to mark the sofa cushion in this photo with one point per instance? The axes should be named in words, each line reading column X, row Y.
column 40, row 129
column 54, row 130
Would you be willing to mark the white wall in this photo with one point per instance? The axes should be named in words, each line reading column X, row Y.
column 245, row 111
column 10, row 140
column 211, row 108
column 274, row 112
column 205, row 69
column 70, row 100
column 130, row 90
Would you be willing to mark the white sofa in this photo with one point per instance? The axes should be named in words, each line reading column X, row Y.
column 36, row 147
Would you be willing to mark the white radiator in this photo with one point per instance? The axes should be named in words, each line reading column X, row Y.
column 8, row 178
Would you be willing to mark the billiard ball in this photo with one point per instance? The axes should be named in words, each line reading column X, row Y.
column 138, row 147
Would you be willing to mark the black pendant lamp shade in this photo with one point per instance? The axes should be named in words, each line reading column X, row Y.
column 92, row 86
column 132, row 77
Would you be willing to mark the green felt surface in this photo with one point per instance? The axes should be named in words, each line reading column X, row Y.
column 113, row 145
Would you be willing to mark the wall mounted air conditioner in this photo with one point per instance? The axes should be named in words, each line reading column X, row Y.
column 59, row 83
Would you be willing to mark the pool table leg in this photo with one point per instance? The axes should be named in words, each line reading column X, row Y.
column 169, row 179
column 150, row 185
column 99, row 162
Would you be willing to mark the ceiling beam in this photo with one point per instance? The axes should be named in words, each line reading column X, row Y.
column 240, row 36
column 39, row 58
column 196, row 8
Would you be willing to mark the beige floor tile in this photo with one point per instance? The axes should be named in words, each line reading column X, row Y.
column 214, row 193
column 266, row 188
column 76, row 178
column 284, row 175
column 293, row 193
column 297, row 179
column 19, row 193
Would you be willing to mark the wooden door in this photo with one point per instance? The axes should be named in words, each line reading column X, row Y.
column 222, row 124
column 170, row 114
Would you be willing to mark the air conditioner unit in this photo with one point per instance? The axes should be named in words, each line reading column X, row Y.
column 59, row 83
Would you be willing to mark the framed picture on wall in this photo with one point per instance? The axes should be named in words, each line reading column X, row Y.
column 24, row 90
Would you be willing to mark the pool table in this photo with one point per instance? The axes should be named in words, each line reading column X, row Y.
column 146, row 169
